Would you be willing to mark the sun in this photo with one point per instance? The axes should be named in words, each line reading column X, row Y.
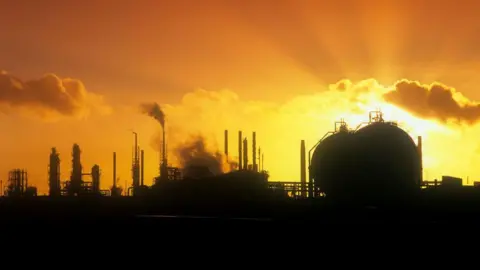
column 373, row 101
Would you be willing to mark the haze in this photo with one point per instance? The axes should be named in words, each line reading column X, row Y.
column 77, row 72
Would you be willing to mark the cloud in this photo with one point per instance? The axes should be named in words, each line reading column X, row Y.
column 153, row 110
column 49, row 97
column 434, row 101
column 194, row 153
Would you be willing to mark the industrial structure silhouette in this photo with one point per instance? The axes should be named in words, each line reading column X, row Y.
column 376, row 163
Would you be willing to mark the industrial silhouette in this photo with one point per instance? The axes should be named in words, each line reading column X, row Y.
column 374, row 164
column 375, row 161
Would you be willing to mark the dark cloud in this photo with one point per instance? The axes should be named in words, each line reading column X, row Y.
column 434, row 101
column 154, row 110
column 48, row 95
column 195, row 154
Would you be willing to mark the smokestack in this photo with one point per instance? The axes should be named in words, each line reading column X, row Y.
column 245, row 154
column 420, row 154
column 263, row 161
column 142, row 156
column 135, row 165
column 114, row 169
column 240, row 159
column 259, row 159
column 226, row 143
column 303, row 168
column 136, row 147
column 164, row 148
column 254, row 151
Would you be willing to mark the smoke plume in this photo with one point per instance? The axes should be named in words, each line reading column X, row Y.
column 48, row 96
column 154, row 110
column 194, row 153
column 434, row 101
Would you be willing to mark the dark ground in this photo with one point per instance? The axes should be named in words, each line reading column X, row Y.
column 434, row 208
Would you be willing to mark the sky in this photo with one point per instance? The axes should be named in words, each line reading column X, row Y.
column 77, row 71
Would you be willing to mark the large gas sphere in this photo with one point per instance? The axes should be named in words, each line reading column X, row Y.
column 388, row 161
column 331, row 164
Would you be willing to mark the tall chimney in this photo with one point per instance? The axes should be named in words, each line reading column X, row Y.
column 263, row 161
column 303, row 169
column 136, row 147
column 226, row 144
column 114, row 169
column 164, row 148
column 142, row 156
column 254, row 151
column 259, row 159
column 135, row 165
column 240, row 159
column 245, row 154
column 420, row 154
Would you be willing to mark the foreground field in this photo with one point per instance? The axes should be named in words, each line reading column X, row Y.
column 430, row 208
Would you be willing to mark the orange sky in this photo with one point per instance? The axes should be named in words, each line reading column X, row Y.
column 261, row 65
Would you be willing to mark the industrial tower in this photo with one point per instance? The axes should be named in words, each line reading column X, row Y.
column 76, row 176
column 95, row 179
column 135, row 164
column 54, row 173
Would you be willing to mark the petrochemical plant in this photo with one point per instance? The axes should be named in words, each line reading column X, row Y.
column 374, row 161
column 88, row 184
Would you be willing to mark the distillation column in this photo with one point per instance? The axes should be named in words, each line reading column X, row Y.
column 54, row 173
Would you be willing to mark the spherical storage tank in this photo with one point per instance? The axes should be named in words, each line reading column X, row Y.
column 331, row 164
column 388, row 162
column 379, row 161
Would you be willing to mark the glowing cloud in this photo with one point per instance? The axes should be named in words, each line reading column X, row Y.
column 434, row 101
column 49, row 96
